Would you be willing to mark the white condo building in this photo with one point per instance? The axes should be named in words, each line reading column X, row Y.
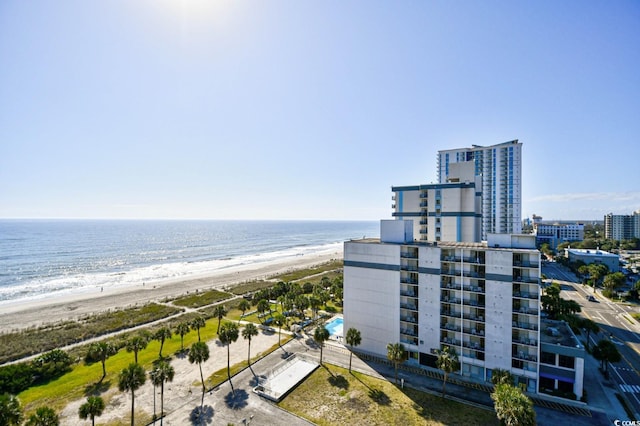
column 481, row 299
column 500, row 167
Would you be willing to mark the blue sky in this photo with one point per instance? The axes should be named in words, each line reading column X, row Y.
column 312, row 109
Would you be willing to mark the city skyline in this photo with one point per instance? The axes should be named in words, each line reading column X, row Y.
column 282, row 110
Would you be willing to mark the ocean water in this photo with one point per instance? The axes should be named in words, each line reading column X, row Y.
column 41, row 258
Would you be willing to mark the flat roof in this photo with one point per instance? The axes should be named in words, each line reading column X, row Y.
column 591, row 252
column 443, row 244
column 558, row 333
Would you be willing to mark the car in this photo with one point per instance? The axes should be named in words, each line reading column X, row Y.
column 591, row 299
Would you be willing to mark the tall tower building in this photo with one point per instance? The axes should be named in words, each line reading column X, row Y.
column 500, row 167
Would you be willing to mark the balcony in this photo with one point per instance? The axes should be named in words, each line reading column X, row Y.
column 473, row 354
column 407, row 340
column 473, row 302
column 409, row 254
column 475, row 274
column 409, row 318
column 474, row 288
column 424, row 204
column 525, row 310
column 524, row 341
column 450, row 326
column 474, row 331
column 473, row 317
column 409, row 293
column 524, row 264
column 523, row 279
column 451, row 313
column 408, row 280
column 524, row 356
column 450, row 341
column 450, row 271
column 525, row 325
column 408, row 267
column 475, row 260
column 409, row 306
column 452, row 300
column 476, row 346
column 409, row 332
column 526, row 295
column 450, row 286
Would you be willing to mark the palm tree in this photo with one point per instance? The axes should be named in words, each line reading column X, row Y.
column 182, row 329
column 228, row 334
column 102, row 351
column 248, row 332
column 44, row 416
column 397, row 354
column 10, row 410
column 353, row 338
column 590, row 326
column 315, row 304
column 302, row 303
column 263, row 306
column 605, row 352
column 162, row 372
column 91, row 409
column 219, row 312
column 280, row 320
column 244, row 306
column 500, row 376
column 130, row 379
column 447, row 362
column 512, row 407
column 161, row 335
column 321, row 335
column 197, row 323
column 135, row 345
column 198, row 354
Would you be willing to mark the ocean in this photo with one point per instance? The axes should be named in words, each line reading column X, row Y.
column 42, row 258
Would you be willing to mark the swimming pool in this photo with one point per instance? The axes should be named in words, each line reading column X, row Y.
column 335, row 327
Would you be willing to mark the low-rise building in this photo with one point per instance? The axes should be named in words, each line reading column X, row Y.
column 554, row 234
column 588, row 256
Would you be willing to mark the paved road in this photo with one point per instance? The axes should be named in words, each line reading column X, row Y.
column 615, row 323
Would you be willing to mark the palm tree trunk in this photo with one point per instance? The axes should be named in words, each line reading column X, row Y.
column 249, row 354
column 444, row 384
column 154, row 403
column 203, row 388
column 133, row 399
column 161, row 402
column 350, row 356
column 229, row 370
column 104, row 370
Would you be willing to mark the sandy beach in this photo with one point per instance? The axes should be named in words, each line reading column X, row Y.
column 23, row 314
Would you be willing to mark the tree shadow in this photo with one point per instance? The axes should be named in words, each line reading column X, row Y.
column 236, row 400
column 361, row 382
column 379, row 397
column 339, row 381
column 97, row 388
column 182, row 354
column 255, row 380
column 285, row 354
column 201, row 415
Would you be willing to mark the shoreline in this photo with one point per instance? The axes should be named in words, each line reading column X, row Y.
column 36, row 312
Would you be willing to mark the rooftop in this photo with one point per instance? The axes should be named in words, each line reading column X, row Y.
column 558, row 333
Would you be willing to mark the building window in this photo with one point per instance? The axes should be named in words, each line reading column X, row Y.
column 547, row 358
column 566, row 361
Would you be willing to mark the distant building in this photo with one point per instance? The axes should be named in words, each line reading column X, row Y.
column 500, row 167
column 622, row 227
column 561, row 359
column 557, row 233
column 588, row 256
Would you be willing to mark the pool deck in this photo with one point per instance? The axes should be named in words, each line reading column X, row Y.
column 285, row 376
column 339, row 336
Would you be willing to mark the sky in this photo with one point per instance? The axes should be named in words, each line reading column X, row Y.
column 310, row 109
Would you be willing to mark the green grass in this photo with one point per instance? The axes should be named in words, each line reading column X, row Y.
column 303, row 273
column 197, row 300
column 636, row 316
column 332, row 395
column 22, row 343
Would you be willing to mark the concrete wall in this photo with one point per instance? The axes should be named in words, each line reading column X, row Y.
column 372, row 294
column 498, row 298
column 429, row 331
column 396, row 231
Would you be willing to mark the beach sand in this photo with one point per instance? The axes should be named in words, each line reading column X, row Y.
column 22, row 314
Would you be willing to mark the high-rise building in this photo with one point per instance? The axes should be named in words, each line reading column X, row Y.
column 622, row 227
column 441, row 212
column 480, row 299
column 500, row 167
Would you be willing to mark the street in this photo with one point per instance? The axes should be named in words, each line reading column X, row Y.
column 615, row 323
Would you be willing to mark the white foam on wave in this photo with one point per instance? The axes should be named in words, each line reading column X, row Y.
column 148, row 275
